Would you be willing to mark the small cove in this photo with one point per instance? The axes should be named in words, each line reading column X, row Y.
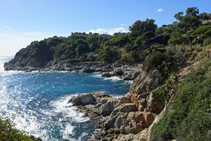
column 41, row 100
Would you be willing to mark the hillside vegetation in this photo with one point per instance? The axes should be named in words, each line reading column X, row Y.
column 192, row 29
column 188, row 117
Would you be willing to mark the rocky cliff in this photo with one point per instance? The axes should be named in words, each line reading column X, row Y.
column 30, row 58
column 129, row 115
column 135, row 116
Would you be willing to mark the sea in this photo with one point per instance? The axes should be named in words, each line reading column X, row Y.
column 38, row 102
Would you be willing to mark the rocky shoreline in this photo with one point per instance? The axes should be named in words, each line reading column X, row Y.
column 123, row 71
column 127, row 118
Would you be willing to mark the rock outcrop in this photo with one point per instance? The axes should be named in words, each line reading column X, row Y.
column 146, row 82
column 125, row 118
column 83, row 99
column 30, row 58
column 94, row 105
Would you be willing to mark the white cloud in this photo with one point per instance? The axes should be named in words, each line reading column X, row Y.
column 160, row 10
column 109, row 31
column 122, row 24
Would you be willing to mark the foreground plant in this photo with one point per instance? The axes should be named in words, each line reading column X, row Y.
column 8, row 131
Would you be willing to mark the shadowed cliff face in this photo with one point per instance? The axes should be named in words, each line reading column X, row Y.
column 37, row 55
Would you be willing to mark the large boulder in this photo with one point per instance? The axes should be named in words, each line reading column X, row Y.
column 130, row 76
column 106, row 68
column 107, row 108
column 126, row 98
column 117, row 72
column 86, row 70
column 109, row 122
column 106, row 74
column 83, row 99
column 128, row 107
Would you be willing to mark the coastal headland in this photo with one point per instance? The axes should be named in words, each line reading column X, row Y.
column 169, row 98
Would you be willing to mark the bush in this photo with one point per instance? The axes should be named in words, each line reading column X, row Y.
column 165, row 91
column 156, row 47
column 188, row 116
column 126, row 57
column 92, row 57
column 9, row 133
column 154, row 61
column 207, row 41
column 82, row 58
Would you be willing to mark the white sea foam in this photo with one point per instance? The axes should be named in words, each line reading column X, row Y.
column 68, row 130
column 97, row 74
column 102, row 91
column 128, row 81
column 62, row 106
column 117, row 96
column 30, row 121
column 113, row 78
column 36, row 114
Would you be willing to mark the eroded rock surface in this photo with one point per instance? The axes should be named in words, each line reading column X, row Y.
column 125, row 118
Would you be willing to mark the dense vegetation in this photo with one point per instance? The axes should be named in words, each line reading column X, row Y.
column 188, row 117
column 8, row 133
column 143, row 39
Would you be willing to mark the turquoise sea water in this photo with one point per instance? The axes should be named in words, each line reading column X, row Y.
column 41, row 100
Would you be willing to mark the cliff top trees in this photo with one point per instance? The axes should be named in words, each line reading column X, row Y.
column 178, row 16
column 194, row 11
column 141, row 27
column 186, row 25
column 203, row 16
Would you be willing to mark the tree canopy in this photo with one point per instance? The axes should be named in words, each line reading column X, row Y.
column 134, row 45
column 141, row 27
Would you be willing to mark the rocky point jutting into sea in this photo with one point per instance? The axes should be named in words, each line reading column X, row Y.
column 169, row 66
column 117, row 118
column 130, row 117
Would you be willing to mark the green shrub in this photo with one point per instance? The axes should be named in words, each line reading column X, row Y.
column 82, row 58
column 188, row 116
column 156, row 47
column 165, row 91
column 9, row 133
column 156, row 60
column 92, row 57
column 207, row 41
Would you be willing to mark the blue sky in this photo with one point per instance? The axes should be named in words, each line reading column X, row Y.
column 23, row 21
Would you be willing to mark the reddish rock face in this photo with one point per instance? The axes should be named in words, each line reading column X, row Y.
column 135, row 100
column 138, row 121
column 126, row 99
column 128, row 107
column 149, row 118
